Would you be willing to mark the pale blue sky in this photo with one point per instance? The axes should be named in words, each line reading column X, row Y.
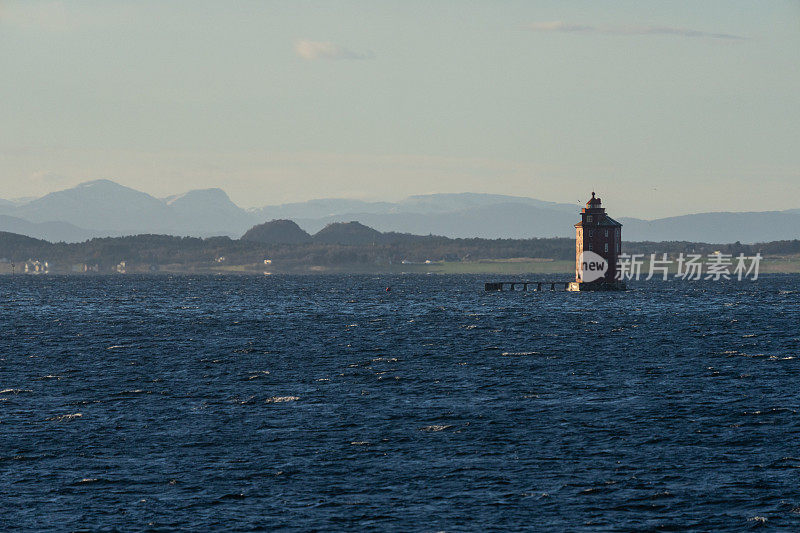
column 663, row 107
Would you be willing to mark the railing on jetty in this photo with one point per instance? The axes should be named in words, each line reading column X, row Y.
column 512, row 285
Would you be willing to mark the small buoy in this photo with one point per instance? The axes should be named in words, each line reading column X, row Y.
column 388, row 289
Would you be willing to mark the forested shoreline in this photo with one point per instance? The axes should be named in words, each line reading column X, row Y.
column 154, row 252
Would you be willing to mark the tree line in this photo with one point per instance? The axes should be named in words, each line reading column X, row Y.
column 394, row 248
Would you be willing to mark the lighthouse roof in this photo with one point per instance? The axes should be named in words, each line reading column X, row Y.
column 608, row 221
column 603, row 220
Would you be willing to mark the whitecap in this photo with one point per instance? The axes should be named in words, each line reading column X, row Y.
column 281, row 399
column 64, row 418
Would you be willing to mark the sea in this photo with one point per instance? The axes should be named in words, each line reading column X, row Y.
column 397, row 403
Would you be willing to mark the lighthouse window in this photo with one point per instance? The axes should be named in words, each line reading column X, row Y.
column 606, row 247
column 606, row 233
column 590, row 246
column 591, row 233
column 589, row 218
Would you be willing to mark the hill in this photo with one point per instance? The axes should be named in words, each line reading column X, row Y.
column 14, row 246
column 277, row 232
column 348, row 233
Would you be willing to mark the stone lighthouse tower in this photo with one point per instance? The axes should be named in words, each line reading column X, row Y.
column 598, row 243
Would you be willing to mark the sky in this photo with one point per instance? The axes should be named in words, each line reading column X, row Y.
column 663, row 108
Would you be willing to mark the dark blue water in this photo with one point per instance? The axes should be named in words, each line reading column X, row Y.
column 303, row 403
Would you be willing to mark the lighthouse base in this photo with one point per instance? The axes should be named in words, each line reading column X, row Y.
column 576, row 286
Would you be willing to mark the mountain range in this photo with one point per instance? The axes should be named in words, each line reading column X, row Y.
column 105, row 208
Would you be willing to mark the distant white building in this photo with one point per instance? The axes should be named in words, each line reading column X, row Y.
column 34, row 266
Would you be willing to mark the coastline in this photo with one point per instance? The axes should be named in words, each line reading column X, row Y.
column 510, row 267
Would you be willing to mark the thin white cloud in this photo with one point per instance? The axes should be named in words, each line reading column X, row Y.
column 58, row 15
column 313, row 50
column 564, row 27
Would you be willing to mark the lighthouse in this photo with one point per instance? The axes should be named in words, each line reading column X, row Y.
column 598, row 243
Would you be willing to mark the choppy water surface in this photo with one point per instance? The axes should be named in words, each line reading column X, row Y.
column 329, row 403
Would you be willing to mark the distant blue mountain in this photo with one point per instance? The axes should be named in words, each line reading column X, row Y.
column 99, row 205
column 449, row 202
column 716, row 227
column 48, row 231
column 105, row 208
column 207, row 212
column 319, row 209
column 502, row 220
column 427, row 204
